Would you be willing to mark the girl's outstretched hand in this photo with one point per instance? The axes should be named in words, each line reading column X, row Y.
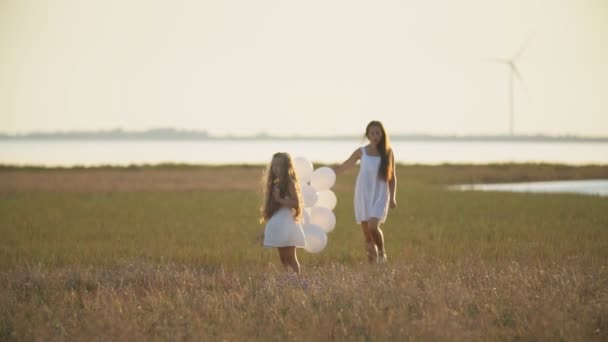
column 392, row 204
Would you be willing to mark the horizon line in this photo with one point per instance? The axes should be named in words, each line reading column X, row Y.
column 185, row 134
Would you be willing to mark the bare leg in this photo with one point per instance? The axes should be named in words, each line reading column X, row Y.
column 290, row 258
column 283, row 257
column 293, row 259
column 377, row 235
column 372, row 254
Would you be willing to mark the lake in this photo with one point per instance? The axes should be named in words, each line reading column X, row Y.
column 124, row 152
column 587, row 187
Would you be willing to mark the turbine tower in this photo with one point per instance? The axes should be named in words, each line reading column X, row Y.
column 511, row 63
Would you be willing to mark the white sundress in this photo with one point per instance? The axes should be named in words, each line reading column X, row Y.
column 371, row 192
column 283, row 231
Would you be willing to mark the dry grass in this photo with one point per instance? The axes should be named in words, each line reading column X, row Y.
column 464, row 300
column 166, row 253
column 133, row 179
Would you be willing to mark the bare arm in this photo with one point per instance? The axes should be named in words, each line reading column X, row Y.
column 291, row 202
column 392, row 184
column 350, row 162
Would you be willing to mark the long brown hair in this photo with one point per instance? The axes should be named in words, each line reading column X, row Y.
column 282, row 181
column 385, row 171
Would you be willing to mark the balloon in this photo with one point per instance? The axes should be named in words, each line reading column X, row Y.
column 323, row 217
column 309, row 195
column 303, row 169
column 327, row 199
column 316, row 238
column 305, row 216
column 323, row 178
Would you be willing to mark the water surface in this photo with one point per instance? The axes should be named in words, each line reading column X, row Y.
column 214, row 152
column 597, row 187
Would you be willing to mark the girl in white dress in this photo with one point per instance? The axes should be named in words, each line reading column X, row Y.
column 282, row 210
column 375, row 188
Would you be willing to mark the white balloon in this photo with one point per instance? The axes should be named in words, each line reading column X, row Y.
column 323, row 178
column 323, row 217
column 309, row 196
column 305, row 216
column 316, row 238
column 327, row 199
column 303, row 169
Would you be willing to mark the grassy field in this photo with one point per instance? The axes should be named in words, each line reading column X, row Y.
column 171, row 252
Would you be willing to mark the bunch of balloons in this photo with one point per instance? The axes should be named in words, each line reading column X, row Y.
column 319, row 201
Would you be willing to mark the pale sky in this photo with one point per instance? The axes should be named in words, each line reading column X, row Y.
column 303, row 67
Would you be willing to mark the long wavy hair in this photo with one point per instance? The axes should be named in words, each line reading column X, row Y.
column 385, row 171
column 282, row 181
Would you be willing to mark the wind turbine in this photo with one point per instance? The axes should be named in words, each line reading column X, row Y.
column 514, row 73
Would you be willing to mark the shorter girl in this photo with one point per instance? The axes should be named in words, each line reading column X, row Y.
column 282, row 210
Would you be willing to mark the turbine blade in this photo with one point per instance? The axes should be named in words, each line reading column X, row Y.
column 518, row 75
column 516, row 72
column 523, row 46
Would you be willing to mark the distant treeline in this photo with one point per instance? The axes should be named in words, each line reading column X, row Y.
column 176, row 134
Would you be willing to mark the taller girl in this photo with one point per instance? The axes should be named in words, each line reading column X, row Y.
column 375, row 188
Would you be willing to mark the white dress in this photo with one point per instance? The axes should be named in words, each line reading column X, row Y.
column 371, row 192
column 283, row 231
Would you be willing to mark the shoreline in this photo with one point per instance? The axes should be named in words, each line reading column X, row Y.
column 9, row 166
column 190, row 177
